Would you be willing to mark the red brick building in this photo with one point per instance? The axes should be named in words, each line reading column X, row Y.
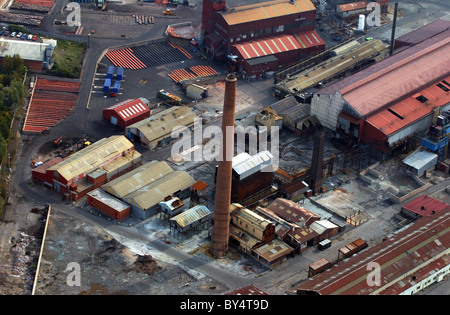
column 263, row 36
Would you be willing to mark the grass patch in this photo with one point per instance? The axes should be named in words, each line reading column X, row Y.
column 68, row 57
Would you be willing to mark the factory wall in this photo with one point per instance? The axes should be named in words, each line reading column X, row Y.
column 251, row 185
column 108, row 210
column 327, row 108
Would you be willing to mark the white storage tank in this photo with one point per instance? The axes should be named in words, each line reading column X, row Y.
column 361, row 22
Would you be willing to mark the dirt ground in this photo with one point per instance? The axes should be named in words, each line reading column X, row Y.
column 106, row 266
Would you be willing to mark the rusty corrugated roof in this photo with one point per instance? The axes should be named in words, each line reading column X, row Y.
column 265, row 10
column 416, row 247
column 353, row 6
column 409, row 110
column 391, row 79
column 267, row 46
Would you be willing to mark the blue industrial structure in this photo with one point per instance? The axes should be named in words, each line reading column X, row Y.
column 436, row 139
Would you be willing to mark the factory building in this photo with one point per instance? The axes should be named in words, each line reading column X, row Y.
column 128, row 112
column 409, row 260
column 352, row 57
column 387, row 103
column 295, row 116
column 36, row 56
column 255, row 235
column 292, row 212
column 108, row 205
column 263, row 36
column 194, row 218
column 423, row 206
column 157, row 129
column 251, row 175
column 148, row 185
column 88, row 168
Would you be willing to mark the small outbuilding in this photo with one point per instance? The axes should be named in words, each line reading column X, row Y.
column 128, row 112
column 108, row 204
column 419, row 162
column 190, row 219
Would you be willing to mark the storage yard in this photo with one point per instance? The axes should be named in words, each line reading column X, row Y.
column 346, row 178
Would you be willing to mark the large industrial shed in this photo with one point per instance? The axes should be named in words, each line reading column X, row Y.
column 258, row 20
column 128, row 112
column 388, row 102
column 157, row 129
column 146, row 186
column 345, row 62
column 88, row 168
column 35, row 55
column 264, row 35
column 410, row 260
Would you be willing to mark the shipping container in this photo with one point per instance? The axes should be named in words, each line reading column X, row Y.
column 116, row 87
column 107, row 85
column 119, row 74
column 352, row 248
column 324, row 244
column 110, row 72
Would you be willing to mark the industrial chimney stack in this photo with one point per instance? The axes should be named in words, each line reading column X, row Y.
column 221, row 215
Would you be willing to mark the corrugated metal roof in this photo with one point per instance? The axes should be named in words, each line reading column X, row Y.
column 160, row 125
column 273, row 250
column 191, row 215
column 265, row 10
column 396, row 76
column 425, row 32
column 409, row 110
column 109, row 200
column 425, row 205
column 292, row 212
column 27, row 50
column 322, row 225
column 246, row 165
column 420, row 158
column 137, row 178
column 412, row 248
column 331, row 67
column 309, row 39
column 268, row 46
column 353, row 6
column 92, row 157
column 153, row 193
column 130, row 108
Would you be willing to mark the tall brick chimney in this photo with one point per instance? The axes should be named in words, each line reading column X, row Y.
column 221, row 216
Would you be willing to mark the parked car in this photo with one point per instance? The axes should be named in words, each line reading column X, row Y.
column 13, row 34
column 34, row 37
column 19, row 35
column 30, row 36
column 23, row 36
column 6, row 34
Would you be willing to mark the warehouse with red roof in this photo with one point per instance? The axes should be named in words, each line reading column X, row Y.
column 387, row 103
column 128, row 112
